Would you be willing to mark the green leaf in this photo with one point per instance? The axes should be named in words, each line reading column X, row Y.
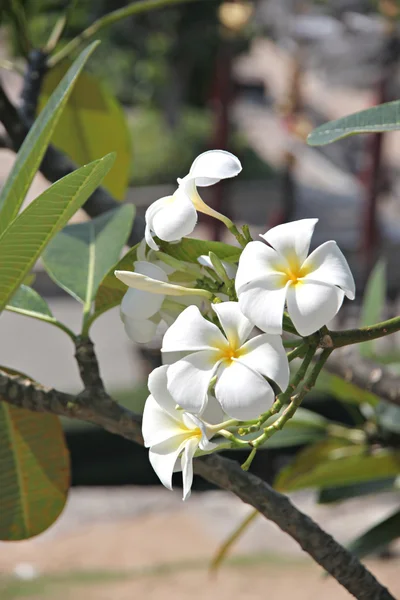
column 91, row 125
column 35, row 144
column 28, row 302
column 373, row 303
column 344, row 492
column 112, row 290
column 385, row 117
column 333, row 462
column 80, row 255
column 34, row 472
column 377, row 537
column 189, row 250
column 27, row 236
column 344, row 390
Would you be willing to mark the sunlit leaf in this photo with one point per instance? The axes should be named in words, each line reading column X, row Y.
column 189, row 249
column 335, row 462
column 345, row 390
column 34, row 472
column 92, row 125
column 28, row 302
column 80, row 255
column 27, row 236
column 112, row 290
column 35, row 144
column 385, row 117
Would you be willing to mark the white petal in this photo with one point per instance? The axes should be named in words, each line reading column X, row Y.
column 149, row 238
column 327, row 264
column 155, row 286
column 187, row 466
column 139, row 304
column 312, row 305
column 257, row 262
column 176, row 217
column 157, row 384
column 243, row 393
column 292, row 239
column 237, row 327
column 141, row 331
column 163, row 458
column 213, row 412
column 214, row 165
column 263, row 303
column 266, row 355
column 189, row 378
column 158, row 425
column 191, row 332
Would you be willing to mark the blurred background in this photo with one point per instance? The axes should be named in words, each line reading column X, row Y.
column 253, row 78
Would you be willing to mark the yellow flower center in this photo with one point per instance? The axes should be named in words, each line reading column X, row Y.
column 293, row 271
column 230, row 351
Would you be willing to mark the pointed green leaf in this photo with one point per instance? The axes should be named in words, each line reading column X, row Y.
column 35, row 144
column 112, row 290
column 377, row 537
column 27, row 236
column 189, row 249
column 373, row 303
column 28, row 302
column 80, row 255
column 34, row 472
column 385, row 117
column 344, row 492
column 333, row 462
column 91, row 125
column 345, row 391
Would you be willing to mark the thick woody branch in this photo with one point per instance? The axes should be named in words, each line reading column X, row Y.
column 366, row 374
column 22, row 392
column 56, row 165
column 335, row 559
column 343, row 566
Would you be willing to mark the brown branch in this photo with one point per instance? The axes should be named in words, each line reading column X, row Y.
column 22, row 392
column 366, row 374
column 56, row 165
column 336, row 560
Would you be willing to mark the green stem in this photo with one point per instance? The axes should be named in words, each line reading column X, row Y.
column 235, row 231
column 289, row 412
column 134, row 8
column 364, row 334
column 247, row 463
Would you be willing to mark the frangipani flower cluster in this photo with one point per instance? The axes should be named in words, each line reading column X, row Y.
column 217, row 365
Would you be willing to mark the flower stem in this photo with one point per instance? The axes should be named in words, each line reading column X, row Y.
column 235, row 231
column 247, row 463
column 296, row 400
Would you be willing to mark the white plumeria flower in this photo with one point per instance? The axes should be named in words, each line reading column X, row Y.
column 148, row 301
column 279, row 272
column 173, row 217
column 173, row 435
column 240, row 366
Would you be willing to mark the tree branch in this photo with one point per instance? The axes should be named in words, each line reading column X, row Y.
column 276, row 507
column 56, row 165
column 366, row 374
column 22, row 392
